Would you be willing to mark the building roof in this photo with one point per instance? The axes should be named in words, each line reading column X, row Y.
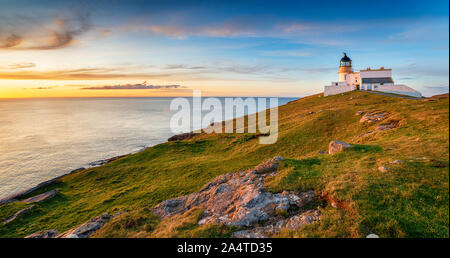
column 345, row 58
column 377, row 80
column 381, row 69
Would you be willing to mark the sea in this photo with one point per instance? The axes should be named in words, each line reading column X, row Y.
column 41, row 139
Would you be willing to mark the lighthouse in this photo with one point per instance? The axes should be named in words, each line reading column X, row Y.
column 367, row 80
column 345, row 68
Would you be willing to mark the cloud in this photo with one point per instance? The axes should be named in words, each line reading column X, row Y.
column 245, row 26
column 33, row 33
column 10, row 41
column 41, row 88
column 423, row 70
column 19, row 66
column 79, row 74
column 139, row 86
column 294, row 53
column 422, row 31
column 226, row 67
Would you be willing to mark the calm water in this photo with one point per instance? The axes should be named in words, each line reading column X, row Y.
column 42, row 139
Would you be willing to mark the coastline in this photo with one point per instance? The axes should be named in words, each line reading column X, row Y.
column 13, row 197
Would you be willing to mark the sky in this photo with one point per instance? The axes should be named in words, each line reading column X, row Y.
column 112, row 48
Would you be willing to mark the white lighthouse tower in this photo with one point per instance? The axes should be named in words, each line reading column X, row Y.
column 345, row 68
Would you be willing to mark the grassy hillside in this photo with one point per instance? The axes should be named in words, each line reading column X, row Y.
column 411, row 199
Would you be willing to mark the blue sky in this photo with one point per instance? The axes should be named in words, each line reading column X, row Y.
column 264, row 48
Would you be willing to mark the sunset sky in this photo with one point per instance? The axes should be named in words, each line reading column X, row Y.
column 224, row 48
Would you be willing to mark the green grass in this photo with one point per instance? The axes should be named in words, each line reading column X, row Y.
column 410, row 200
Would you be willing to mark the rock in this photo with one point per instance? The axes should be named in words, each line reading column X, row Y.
column 373, row 117
column 236, row 199
column 183, row 136
column 86, row 229
column 44, row 234
column 382, row 169
column 247, row 234
column 337, row 146
column 17, row 214
column 105, row 161
column 306, row 218
column 42, row 197
column 293, row 223
column 387, row 126
column 268, row 166
column 14, row 197
column 372, row 236
column 359, row 113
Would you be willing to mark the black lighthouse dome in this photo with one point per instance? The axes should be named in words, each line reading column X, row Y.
column 346, row 61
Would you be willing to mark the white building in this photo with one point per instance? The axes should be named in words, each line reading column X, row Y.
column 369, row 79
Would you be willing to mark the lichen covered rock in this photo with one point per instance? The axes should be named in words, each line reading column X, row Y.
column 236, row 199
column 44, row 234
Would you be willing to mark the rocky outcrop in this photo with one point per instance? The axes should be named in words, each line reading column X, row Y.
column 239, row 199
column 183, row 136
column 14, row 197
column 293, row 223
column 373, row 117
column 83, row 231
column 388, row 126
column 86, row 229
column 338, row 146
column 42, row 197
column 44, row 234
column 17, row 214
column 105, row 161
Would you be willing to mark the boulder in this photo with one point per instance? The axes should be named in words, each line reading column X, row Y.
column 86, row 229
column 236, row 199
column 268, row 166
column 44, row 234
column 42, row 197
column 338, row 146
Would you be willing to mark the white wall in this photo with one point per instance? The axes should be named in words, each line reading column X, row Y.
column 333, row 90
column 399, row 89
